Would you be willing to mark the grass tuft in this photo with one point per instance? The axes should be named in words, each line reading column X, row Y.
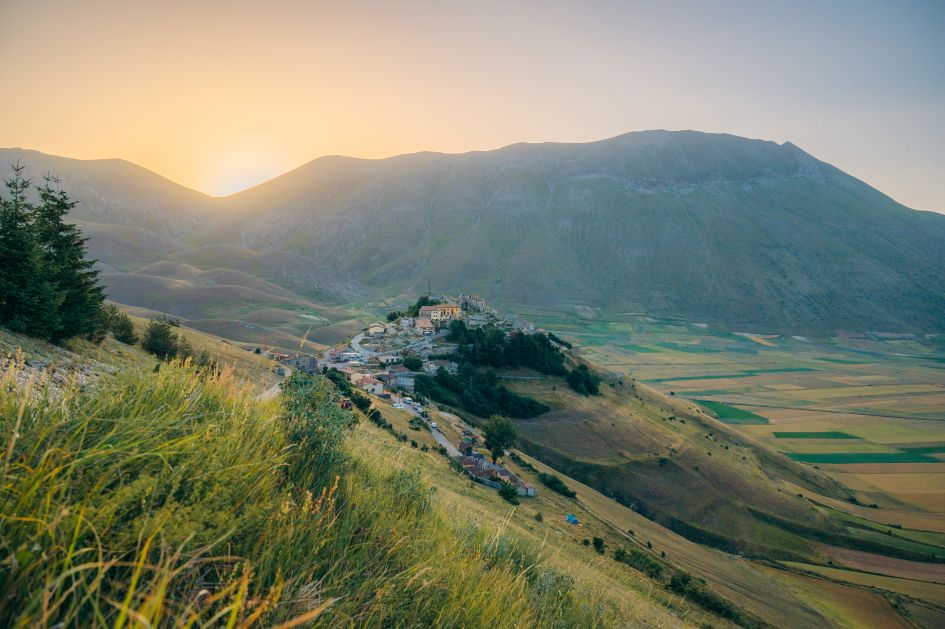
column 178, row 497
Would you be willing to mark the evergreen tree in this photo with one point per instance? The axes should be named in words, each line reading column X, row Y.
column 63, row 249
column 119, row 323
column 28, row 301
column 160, row 339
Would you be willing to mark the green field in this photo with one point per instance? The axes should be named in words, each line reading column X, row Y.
column 938, row 449
column 827, row 434
column 731, row 415
column 853, row 458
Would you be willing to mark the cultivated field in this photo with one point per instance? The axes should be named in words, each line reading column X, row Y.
column 867, row 410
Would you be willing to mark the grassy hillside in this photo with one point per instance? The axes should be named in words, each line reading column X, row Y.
column 176, row 495
column 398, row 535
column 771, row 596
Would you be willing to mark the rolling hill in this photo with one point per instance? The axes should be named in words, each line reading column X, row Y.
column 535, row 535
column 743, row 233
column 715, row 228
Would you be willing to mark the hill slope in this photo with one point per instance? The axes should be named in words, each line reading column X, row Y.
column 745, row 233
column 432, row 557
column 710, row 227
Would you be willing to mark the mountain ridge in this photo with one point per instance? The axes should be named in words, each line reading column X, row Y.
column 748, row 234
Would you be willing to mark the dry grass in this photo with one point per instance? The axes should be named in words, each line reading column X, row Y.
column 178, row 498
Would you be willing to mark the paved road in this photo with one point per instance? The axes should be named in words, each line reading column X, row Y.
column 356, row 346
column 414, row 346
column 443, row 441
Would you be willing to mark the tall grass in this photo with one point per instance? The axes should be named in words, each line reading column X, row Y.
column 177, row 498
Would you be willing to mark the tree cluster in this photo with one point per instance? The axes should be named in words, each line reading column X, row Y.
column 478, row 393
column 491, row 347
column 414, row 310
column 48, row 288
column 584, row 381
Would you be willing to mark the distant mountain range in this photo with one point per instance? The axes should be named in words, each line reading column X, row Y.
column 744, row 233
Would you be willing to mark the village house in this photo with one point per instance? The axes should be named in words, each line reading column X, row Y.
column 440, row 312
column 425, row 326
column 404, row 381
column 393, row 370
column 400, row 376
column 302, row 362
column 493, row 474
column 376, row 330
column 388, row 360
column 371, row 385
column 406, row 322
column 355, row 376
column 333, row 353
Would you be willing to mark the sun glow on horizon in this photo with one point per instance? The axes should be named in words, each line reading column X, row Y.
column 220, row 97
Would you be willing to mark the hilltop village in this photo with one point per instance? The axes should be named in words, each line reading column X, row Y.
column 386, row 359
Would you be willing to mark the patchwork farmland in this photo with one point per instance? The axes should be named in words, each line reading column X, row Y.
column 868, row 410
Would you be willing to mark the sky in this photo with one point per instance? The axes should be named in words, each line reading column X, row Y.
column 221, row 95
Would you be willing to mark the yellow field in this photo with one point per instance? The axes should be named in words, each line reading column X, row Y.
column 869, row 562
column 933, row 592
column 845, row 606
column 861, row 391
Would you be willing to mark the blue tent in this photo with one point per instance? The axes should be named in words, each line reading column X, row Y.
column 571, row 519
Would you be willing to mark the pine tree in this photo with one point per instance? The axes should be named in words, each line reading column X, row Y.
column 160, row 339
column 28, row 300
column 63, row 249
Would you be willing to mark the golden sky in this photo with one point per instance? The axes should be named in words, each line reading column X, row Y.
column 222, row 95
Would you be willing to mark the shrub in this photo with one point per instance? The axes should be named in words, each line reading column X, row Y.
column 119, row 324
column 683, row 584
column 522, row 462
column 583, row 381
column 641, row 561
column 554, row 483
column 508, row 492
column 160, row 339
column 599, row 545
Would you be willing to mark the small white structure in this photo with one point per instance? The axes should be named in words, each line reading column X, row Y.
column 371, row 385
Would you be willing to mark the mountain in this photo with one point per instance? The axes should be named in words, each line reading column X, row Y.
column 142, row 227
column 117, row 192
column 749, row 234
column 716, row 228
